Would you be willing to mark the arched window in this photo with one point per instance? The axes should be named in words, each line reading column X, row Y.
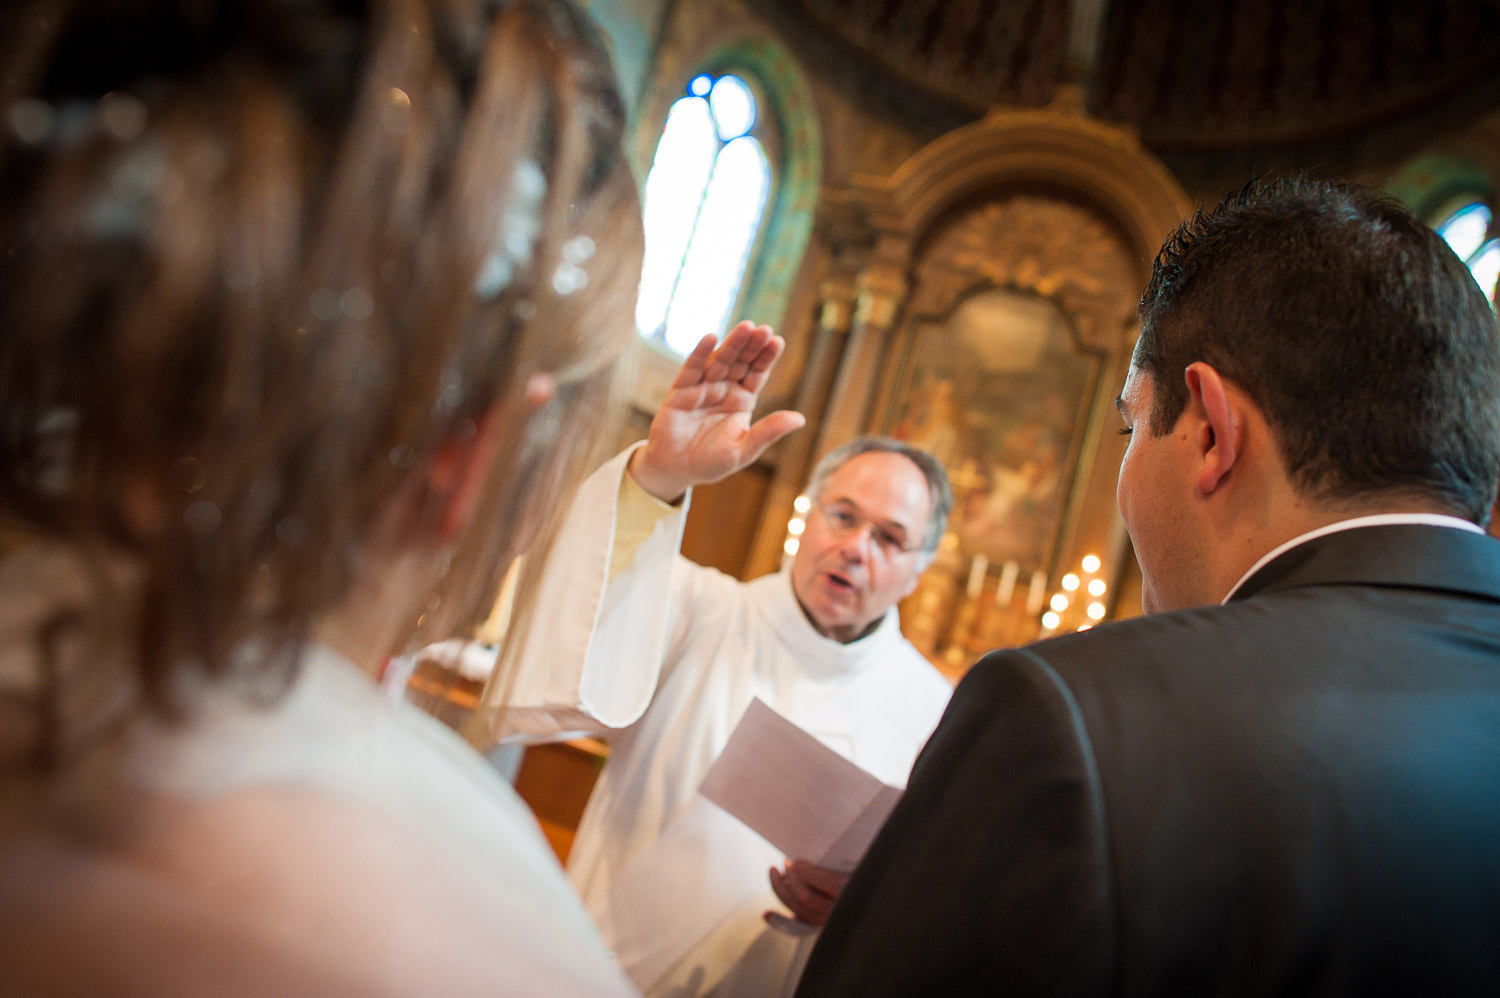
column 1455, row 194
column 706, row 197
column 1470, row 229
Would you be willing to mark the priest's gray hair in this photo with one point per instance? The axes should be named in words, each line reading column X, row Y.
column 938, row 488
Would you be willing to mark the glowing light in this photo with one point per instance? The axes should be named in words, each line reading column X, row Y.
column 795, row 526
column 791, row 545
column 395, row 114
column 704, row 200
column 733, row 107
column 1096, row 587
column 1486, row 267
column 1091, row 563
column 1096, row 611
column 202, row 517
column 1084, row 627
column 674, row 192
column 1070, row 582
column 1050, row 620
column 802, row 504
column 720, row 247
column 1059, row 602
column 1465, row 229
column 122, row 115
column 32, row 120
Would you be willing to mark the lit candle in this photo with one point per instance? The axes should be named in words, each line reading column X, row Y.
column 1007, row 587
column 976, row 574
column 1037, row 594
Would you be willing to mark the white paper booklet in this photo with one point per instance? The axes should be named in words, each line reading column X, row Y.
column 796, row 793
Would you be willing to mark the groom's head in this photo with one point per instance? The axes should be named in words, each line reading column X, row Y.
column 1308, row 351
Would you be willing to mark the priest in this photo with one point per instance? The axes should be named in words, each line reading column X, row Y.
column 663, row 657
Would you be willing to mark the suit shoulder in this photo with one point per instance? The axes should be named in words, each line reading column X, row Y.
column 1176, row 637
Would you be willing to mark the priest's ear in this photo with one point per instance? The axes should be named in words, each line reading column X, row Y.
column 463, row 462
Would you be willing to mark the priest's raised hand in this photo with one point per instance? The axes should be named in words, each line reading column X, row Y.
column 702, row 432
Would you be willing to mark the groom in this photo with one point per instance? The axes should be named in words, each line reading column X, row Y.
column 1290, row 783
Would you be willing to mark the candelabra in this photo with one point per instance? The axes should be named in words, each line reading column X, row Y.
column 1078, row 604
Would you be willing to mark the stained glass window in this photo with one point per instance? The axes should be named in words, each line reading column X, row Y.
column 705, row 197
column 1469, row 231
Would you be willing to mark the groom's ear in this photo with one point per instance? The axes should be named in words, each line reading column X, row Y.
column 1215, row 417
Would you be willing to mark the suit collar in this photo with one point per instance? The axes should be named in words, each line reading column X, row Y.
column 1406, row 555
column 1378, row 519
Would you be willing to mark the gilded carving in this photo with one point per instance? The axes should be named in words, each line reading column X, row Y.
column 1050, row 247
column 1041, row 213
column 1017, row 304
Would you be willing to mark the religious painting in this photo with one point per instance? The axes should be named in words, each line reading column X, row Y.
column 999, row 391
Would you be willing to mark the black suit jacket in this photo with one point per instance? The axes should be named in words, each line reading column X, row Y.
column 1294, row 794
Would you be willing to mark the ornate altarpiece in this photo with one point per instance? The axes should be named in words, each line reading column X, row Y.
column 981, row 303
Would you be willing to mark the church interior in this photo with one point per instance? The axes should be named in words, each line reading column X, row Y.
column 948, row 209
column 424, row 570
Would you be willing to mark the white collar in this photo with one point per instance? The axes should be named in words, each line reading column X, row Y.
column 774, row 599
column 1377, row 520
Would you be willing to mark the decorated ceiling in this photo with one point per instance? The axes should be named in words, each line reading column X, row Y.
column 1194, row 78
column 968, row 52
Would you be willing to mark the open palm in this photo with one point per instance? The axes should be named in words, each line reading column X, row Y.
column 702, row 432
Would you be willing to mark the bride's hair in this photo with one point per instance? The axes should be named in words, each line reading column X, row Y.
column 258, row 262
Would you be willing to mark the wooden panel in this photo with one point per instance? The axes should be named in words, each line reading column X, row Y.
column 722, row 523
column 555, row 782
column 443, row 693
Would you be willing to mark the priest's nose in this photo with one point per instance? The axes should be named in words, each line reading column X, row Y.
column 854, row 546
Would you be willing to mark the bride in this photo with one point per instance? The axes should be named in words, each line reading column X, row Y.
column 308, row 311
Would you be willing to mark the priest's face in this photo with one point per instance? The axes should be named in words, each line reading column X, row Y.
column 861, row 551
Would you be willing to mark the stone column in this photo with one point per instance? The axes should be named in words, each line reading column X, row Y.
column 880, row 290
column 836, row 303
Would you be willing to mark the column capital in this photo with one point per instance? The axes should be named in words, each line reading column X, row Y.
column 881, row 289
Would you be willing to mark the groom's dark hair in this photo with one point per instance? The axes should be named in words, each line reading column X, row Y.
column 1354, row 327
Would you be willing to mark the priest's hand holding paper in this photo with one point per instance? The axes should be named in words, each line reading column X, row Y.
column 702, row 432
column 808, row 891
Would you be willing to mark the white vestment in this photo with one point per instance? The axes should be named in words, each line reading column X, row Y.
column 677, row 885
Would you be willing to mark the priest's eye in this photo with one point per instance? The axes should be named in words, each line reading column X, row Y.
column 1125, row 431
column 843, row 519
